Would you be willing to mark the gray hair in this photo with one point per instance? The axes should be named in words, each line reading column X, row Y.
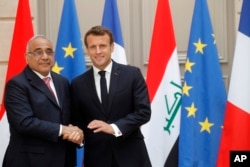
column 33, row 38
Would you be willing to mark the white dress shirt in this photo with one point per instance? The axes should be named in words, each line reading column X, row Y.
column 97, row 78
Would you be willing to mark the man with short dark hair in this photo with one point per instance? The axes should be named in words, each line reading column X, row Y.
column 110, row 104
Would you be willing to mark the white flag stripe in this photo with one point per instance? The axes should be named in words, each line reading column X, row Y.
column 160, row 143
column 4, row 126
column 119, row 54
column 239, row 83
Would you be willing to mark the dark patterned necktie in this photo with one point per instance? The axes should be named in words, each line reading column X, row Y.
column 104, row 91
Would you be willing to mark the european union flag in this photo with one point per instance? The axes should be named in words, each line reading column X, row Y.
column 204, row 95
column 69, row 54
column 111, row 20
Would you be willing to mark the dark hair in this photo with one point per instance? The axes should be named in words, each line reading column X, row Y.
column 98, row 31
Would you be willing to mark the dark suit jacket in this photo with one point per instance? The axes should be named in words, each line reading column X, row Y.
column 128, row 108
column 34, row 120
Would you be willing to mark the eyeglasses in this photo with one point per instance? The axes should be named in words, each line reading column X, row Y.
column 40, row 53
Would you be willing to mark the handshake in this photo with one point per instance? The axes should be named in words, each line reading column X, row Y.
column 73, row 134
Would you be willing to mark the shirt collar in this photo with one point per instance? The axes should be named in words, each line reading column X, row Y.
column 107, row 69
column 41, row 76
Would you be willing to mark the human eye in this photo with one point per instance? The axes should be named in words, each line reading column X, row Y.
column 38, row 53
column 92, row 48
column 103, row 46
column 49, row 52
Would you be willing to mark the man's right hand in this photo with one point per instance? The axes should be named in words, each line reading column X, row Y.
column 73, row 134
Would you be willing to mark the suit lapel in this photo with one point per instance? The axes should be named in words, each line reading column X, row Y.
column 58, row 88
column 38, row 83
column 90, row 82
column 114, row 79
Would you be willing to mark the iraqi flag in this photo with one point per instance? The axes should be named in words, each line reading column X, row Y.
column 23, row 31
column 164, row 85
column 111, row 21
column 236, row 134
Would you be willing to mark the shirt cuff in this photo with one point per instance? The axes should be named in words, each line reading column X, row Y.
column 60, row 130
column 81, row 145
column 116, row 130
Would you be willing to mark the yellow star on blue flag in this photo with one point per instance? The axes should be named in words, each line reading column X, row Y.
column 69, row 50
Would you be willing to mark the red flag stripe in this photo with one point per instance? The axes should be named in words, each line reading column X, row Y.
column 162, row 37
column 236, row 133
column 239, row 134
column 23, row 31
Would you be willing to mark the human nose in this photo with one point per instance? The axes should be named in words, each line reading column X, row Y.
column 44, row 55
column 98, row 49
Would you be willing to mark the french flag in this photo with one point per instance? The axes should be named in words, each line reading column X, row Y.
column 236, row 135
column 111, row 21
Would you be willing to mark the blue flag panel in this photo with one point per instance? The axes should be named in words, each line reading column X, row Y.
column 69, row 53
column 69, row 49
column 204, row 95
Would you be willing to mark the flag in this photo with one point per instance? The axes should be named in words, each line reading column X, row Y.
column 204, row 95
column 23, row 31
column 69, row 54
column 235, row 135
column 164, row 85
column 111, row 21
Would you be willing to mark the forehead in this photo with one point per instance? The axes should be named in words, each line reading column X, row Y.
column 91, row 39
column 40, row 43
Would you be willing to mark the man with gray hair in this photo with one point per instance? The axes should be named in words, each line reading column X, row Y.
column 38, row 108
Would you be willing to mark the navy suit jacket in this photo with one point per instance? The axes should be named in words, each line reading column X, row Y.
column 128, row 108
column 34, row 120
